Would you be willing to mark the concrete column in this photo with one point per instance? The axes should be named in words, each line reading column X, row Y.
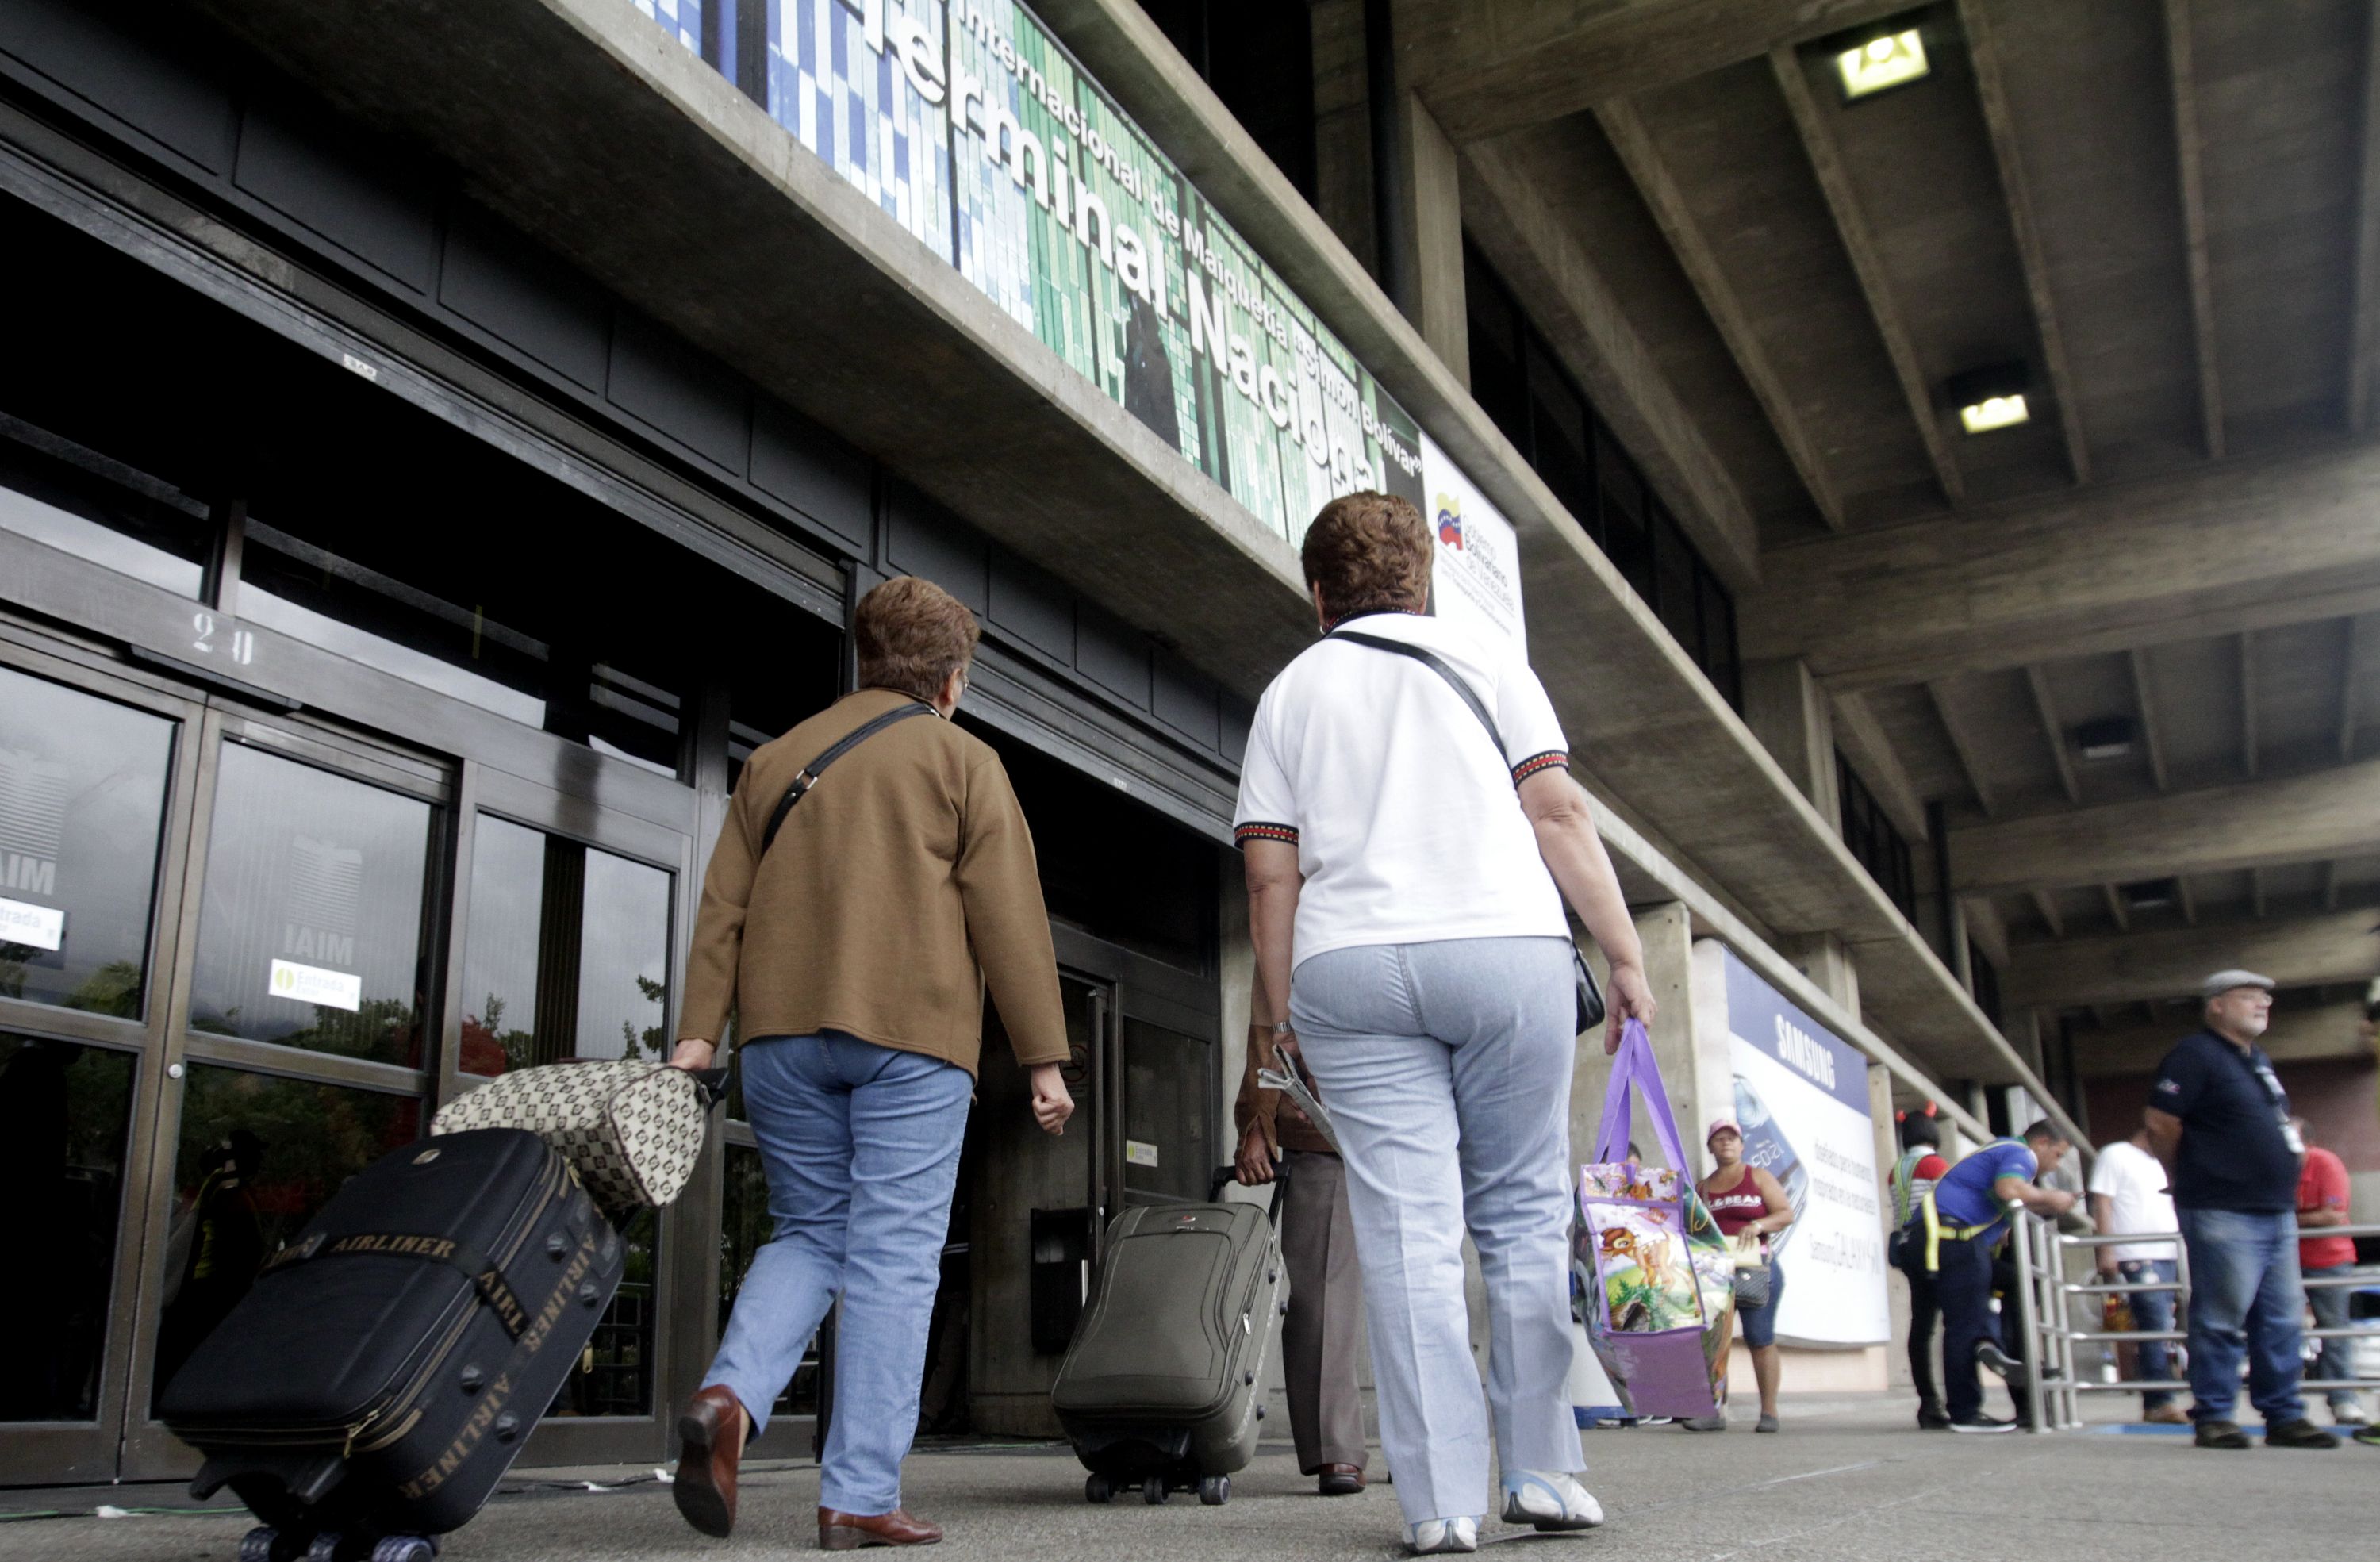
column 1689, row 1034
column 1887, row 1152
column 1342, row 132
column 1432, row 242
column 1791, row 716
column 1828, row 961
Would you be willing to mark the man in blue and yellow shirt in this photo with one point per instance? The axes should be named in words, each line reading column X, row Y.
column 1951, row 1236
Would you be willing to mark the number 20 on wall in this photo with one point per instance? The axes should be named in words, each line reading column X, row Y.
column 239, row 645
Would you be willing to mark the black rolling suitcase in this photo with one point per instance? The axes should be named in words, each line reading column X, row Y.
column 1162, row 1386
column 367, row 1393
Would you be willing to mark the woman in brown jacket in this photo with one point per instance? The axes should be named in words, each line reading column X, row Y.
column 853, row 936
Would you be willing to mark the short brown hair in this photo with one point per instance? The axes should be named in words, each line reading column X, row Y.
column 913, row 636
column 1369, row 551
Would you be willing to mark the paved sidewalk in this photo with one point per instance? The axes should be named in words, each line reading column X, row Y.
column 1848, row 1478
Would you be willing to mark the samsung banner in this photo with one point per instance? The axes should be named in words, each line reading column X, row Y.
column 969, row 124
column 1801, row 1095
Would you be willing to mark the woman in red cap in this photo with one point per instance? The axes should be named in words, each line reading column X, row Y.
column 1750, row 1206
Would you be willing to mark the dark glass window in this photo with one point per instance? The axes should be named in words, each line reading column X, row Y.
column 257, row 1156
column 1869, row 833
column 566, row 955
column 1675, row 596
column 1986, row 978
column 64, row 1112
column 1260, row 60
column 164, row 544
column 1519, row 381
column 312, row 931
column 82, row 804
column 312, row 594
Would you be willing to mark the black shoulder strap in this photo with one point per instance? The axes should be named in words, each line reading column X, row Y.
column 809, row 773
column 1437, row 664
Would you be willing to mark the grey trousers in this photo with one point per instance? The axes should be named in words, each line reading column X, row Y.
column 1446, row 1068
column 1320, row 1338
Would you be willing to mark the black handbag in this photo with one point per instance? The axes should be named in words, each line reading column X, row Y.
column 1590, row 997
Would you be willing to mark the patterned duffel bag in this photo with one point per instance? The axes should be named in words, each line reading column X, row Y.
column 631, row 1130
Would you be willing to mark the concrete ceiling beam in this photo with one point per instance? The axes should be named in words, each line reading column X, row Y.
column 2270, row 823
column 1964, row 746
column 2189, row 149
column 2299, row 951
column 2249, row 545
column 2045, row 904
column 2038, row 682
column 2297, row 1036
column 2364, row 339
column 2136, row 664
column 2353, row 633
column 1867, row 263
column 1862, row 738
column 2249, row 747
column 1642, row 157
column 1586, row 320
column 1486, row 74
column 1999, row 120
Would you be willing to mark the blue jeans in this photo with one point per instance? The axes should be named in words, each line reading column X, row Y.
column 1446, row 1068
column 2329, row 1305
column 2245, row 1298
column 861, row 1147
column 2152, row 1312
column 1760, row 1323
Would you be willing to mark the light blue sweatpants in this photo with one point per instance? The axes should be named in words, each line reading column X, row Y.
column 1446, row 1070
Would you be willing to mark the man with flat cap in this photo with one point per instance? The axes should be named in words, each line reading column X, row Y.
column 2219, row 1120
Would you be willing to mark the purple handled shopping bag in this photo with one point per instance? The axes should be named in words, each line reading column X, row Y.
column 1659, row 1281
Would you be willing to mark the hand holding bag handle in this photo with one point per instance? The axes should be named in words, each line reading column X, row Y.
column 1590, row 997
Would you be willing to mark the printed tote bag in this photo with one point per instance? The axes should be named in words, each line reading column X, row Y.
column 1659, row 1279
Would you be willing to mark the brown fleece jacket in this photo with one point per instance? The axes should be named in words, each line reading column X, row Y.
column 899, row 887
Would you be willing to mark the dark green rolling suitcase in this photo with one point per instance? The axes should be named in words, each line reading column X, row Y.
column 1163, row 1384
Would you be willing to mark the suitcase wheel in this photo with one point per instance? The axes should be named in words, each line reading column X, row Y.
column 266, row 1543
column 1155, row 1491
column 1098, row 1488
column 1215, row 1490
column 404, row 1548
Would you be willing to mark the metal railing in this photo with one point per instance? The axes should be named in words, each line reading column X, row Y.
column 2046, row 1312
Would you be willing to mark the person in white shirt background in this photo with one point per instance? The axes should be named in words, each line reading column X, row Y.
column 1412, row 876
column 2128, row 1196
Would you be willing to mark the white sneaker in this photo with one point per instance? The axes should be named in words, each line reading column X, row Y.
column 2349, row 1415
column 1432, row 1536
column 1550, row 1500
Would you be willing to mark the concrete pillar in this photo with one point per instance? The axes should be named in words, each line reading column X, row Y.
column 1795, row 720
column 1432, row 240
column 1828, row 961
column 1689, row 1035
column 1343, row 130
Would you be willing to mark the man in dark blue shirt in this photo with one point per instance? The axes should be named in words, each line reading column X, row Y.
column 2219, row 1120
column 1947, row 1251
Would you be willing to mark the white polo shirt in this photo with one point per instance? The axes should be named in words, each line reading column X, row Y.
column 1406, row 823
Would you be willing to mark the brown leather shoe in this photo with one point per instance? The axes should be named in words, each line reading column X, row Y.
column 849, row 1531
column 1338, row 1480
column 712, row 1435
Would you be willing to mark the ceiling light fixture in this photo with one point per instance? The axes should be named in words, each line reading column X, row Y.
column 1886, row 60
column 2155, row 894
column 1991, row 398
column 2110, row 738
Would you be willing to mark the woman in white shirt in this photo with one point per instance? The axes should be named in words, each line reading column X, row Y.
column 1412, row 878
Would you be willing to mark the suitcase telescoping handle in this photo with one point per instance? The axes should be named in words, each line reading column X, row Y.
column 1225, row 1175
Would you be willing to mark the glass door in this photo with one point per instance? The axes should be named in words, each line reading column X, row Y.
column 97, row 774
column 298, row 1047
column 566, row 920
